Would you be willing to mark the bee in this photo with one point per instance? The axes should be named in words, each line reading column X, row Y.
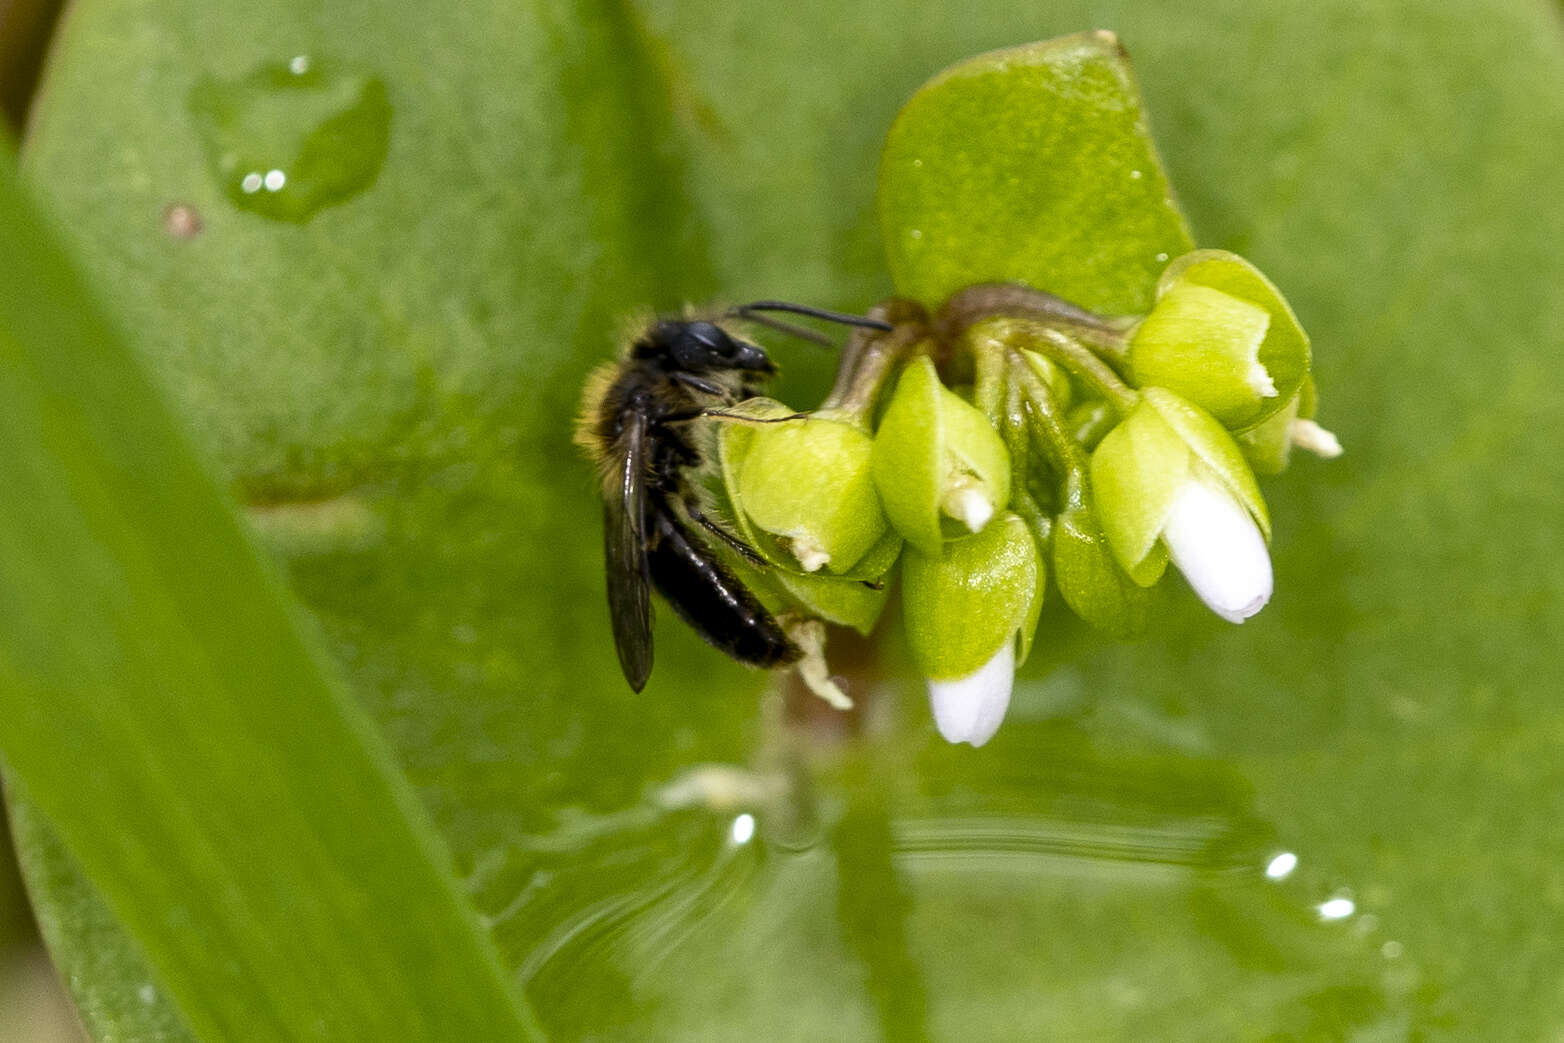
column 645, row 420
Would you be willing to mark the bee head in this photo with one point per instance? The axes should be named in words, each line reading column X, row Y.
column 700, row 346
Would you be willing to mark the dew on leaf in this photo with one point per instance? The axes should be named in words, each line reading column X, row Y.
column 291, row 137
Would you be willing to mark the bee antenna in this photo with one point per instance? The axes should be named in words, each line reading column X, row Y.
column 790, row 328
column 748, row 311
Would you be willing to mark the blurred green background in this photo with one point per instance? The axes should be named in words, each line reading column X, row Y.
column 385, row 384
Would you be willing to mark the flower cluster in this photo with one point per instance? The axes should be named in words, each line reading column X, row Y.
column 1014, row 442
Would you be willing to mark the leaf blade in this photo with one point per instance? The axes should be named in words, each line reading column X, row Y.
column 966, row 196
column 137, row 618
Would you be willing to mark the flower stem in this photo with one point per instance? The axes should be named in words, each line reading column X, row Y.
column 1074, row 356
column 1049, row 431
column 871, row 354
column 1018, row 439
column 1109, row 336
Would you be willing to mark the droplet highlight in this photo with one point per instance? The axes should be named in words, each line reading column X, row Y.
column 293, row 137
column 743, row 829
column 1280, row 867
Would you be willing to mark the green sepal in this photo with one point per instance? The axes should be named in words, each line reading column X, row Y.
column 1268, row 446
column 843, row 600
column 961, row 605
column 929, row 440
column 836, row 599
column 807, row 483
column 1089, row 577
column 1285, row 350
column 733, row 445
column 1136, row 471
column 1203, row 344
column 1216, row 449
column 1308, row 398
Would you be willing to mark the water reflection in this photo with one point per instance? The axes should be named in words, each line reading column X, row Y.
column 1083, row 880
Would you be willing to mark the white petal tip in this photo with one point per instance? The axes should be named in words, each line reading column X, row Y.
column 812, row 669
column 970, row 709
column 970, row 507
column 1239, row 613
column 1219, row 549
column 1306, row 434
column 1260, row 380
column 811, row 556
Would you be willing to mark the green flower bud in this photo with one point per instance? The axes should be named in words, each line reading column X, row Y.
column 1222, row 337
column 808, row 483
column 1170, row 480
column 970, row 613
column 941, row 469
column 1089, row 577
column 1090, row 421
column 1269, row 445
column 962, row 604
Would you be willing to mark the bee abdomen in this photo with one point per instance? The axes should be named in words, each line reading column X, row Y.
column 711, row 600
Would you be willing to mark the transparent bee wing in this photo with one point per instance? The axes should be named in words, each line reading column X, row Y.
column 624, row 553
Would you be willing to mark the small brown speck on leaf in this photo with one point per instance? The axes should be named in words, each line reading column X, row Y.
column 181, row 221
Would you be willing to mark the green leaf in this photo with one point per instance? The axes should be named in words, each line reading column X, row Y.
column 1032, row 165
column 149, row 661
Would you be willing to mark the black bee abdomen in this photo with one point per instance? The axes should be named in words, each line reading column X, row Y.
column 710, row 599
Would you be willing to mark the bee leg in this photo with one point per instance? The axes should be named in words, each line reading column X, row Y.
column 738, row 546
column 737, row 418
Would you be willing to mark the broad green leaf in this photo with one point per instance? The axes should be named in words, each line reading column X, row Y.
column 391, row 383
column 1031, row 164
column 159, row 705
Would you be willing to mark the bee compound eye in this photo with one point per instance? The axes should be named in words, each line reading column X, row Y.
column 702, row 345
column 711, row 337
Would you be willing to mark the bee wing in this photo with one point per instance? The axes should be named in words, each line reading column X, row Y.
column 624, row 553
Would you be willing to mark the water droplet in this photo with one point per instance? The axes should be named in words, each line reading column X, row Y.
column 1136, row 175
column 1281, row 866
column 743, row 829
column 1162, row 256
column 311, row 133
column 917, row 163
column 916, row 233
column 1338, row 908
